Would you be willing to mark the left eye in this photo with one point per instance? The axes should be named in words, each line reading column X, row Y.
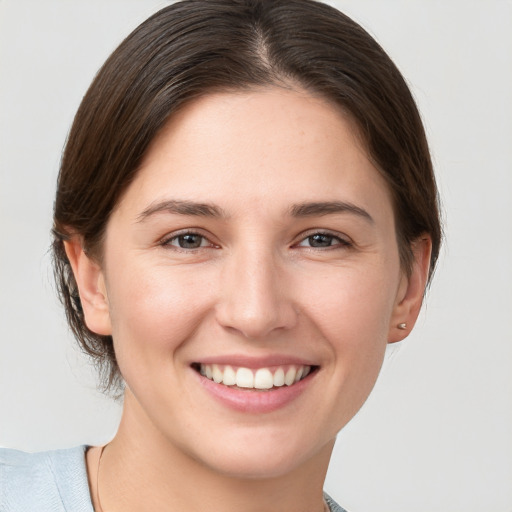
column 319, row 240
column 188, row 241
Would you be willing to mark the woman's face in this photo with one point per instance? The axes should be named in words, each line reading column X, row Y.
column 256, row 243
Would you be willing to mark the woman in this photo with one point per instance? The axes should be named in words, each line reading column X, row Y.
column 246, row 215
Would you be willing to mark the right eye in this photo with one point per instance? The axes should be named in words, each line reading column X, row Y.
column 188, row 241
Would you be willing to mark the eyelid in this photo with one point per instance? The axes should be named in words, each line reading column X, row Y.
column 165, row 241
column 344, row 240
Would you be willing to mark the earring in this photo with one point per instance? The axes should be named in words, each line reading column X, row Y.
column 402, row 326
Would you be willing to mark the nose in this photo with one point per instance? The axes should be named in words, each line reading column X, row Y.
column 255, row 299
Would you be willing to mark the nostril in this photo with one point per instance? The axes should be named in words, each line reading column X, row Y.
column 254, row 323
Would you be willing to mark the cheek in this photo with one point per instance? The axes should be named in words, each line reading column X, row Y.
column 153, row 311
column 352, row 311
column 353, row 305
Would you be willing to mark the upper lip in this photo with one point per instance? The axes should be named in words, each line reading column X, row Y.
column 246, row 361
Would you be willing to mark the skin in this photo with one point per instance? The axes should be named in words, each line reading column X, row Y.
column 256, row 286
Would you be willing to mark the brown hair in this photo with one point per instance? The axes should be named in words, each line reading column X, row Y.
column 194, row 47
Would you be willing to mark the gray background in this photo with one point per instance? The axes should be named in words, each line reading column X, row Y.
column 436, row 434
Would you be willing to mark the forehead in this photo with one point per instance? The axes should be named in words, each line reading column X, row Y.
column 256, row 148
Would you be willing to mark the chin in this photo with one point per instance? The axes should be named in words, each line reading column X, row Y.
column 264, row 455
column 256, row 466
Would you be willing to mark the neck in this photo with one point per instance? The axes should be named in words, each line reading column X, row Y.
column 142, row 470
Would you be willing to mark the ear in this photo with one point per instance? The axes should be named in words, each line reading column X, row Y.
column 411, row 291
column 91, row 286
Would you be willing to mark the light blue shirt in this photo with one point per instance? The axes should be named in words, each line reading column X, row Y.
column 53, row 481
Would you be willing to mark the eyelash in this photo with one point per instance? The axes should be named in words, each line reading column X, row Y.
column 339, row 241
column 168, row 242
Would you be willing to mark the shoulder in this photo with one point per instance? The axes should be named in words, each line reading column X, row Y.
column 47, row 481
column 333, row 506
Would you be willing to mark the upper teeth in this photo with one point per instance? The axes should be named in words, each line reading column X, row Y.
column 262, row 378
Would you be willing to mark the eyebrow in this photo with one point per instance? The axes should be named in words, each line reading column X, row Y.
column 310, row 209
column 315, row 209
column 190, row 208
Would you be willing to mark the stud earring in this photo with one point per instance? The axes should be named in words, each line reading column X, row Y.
column 402, row 326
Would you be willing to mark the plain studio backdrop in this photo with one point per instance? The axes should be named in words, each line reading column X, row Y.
column 436, row 434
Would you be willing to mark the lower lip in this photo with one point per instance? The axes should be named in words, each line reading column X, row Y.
column 252, row 400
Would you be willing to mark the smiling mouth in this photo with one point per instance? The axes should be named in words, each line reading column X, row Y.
column 260, row 379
